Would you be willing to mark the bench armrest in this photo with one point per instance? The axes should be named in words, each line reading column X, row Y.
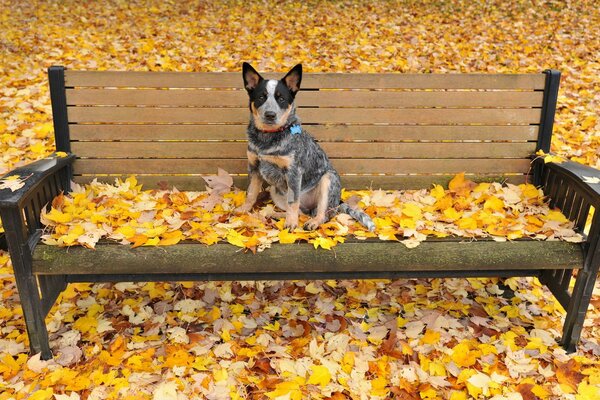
column 574, row 188
column 20, row 210
column 581, row 179
column 36, row 173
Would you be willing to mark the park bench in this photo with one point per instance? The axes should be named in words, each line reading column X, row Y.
column 400, row 131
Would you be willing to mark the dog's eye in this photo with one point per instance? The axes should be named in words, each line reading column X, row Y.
column 281, row 99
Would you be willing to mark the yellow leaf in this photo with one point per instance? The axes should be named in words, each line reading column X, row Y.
column 481, row 188
column 152, row 241
column 126, row 230
column 220, row 374
column 235, row 238
column 555, row 215
column 451, row 214
column 42, row 394
column 438, row 192
column 463, row 356
column 170, row 238
column 588, row 122
column 320, row 375
column 290, row 390
column 86, row 324
column 379, row 387
column 274, row 327
column 586, row 391
column 529, row 191
column 456, row 395
column 466, row 223
column 324, row 242
column 412, row 210
column 430, row 337
column 214, row 314
column 494, row 203
column 286, row 237
column 549, row 157
column 138, row 240
column 60, row 217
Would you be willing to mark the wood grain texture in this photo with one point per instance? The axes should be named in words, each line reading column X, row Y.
column 371, row 256
column 343, row 166
column 332, row 149
column 309, row 80
column 379, row 133
column 429, row 116
column 321, row 98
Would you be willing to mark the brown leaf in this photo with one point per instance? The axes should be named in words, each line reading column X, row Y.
column 525, row 390
column 568, row 374
column 263, row 365
column 220, row 183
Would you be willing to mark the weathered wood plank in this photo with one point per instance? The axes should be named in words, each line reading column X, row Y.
column 309, row 80
column 430, row 116
column 372, row 256
column 333, row 150
column 322, row 98
column 196, row 183
column 343, row 166
column 379, row 133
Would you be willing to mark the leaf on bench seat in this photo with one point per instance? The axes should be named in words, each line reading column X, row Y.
column 125, row 212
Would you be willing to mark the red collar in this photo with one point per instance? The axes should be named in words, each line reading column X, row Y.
column 283, row 128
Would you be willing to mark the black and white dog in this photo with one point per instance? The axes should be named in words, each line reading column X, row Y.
column 282, row 154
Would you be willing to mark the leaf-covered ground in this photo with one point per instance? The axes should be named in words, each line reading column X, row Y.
column 414, row 339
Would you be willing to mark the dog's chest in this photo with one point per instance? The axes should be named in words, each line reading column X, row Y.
column 273, row 168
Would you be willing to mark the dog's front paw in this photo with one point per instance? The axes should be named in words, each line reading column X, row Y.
column 290, row 225
column 312, row 224
column 291, row 220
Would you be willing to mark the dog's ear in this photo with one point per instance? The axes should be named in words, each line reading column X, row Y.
column 293, row 78
column 251, row 77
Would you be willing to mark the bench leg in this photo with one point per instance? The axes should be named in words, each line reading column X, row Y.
column 34, row 314
column 581, row 296
column 580, row 300
column 27, row 283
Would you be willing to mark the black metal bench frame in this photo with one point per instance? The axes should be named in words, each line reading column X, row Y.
column 564, row 183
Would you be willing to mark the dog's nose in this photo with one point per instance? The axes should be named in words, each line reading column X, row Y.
column 270, row 115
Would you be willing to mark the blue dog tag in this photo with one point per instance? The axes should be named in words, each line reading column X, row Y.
column 294, row 129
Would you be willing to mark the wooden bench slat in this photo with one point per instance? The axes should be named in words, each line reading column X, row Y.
column 309, row 80
column 333, row 149
column 320, row 132
column 391, row 182
column 343, row 166
column 345, row 98
column 310, row 115
column 191, row 258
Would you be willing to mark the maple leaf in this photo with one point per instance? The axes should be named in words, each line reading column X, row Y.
column 320, row 375
column 13, row 182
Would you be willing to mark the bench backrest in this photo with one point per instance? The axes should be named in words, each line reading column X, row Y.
column 379, row 130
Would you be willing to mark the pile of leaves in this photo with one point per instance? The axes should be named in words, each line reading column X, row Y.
column 416, row 339
column 125, row 212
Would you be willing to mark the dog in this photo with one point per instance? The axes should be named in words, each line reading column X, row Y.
column 282, row 154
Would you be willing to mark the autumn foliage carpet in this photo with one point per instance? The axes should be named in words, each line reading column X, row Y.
column 405, row 339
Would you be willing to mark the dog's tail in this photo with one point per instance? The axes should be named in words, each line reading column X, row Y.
column 358, row 215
